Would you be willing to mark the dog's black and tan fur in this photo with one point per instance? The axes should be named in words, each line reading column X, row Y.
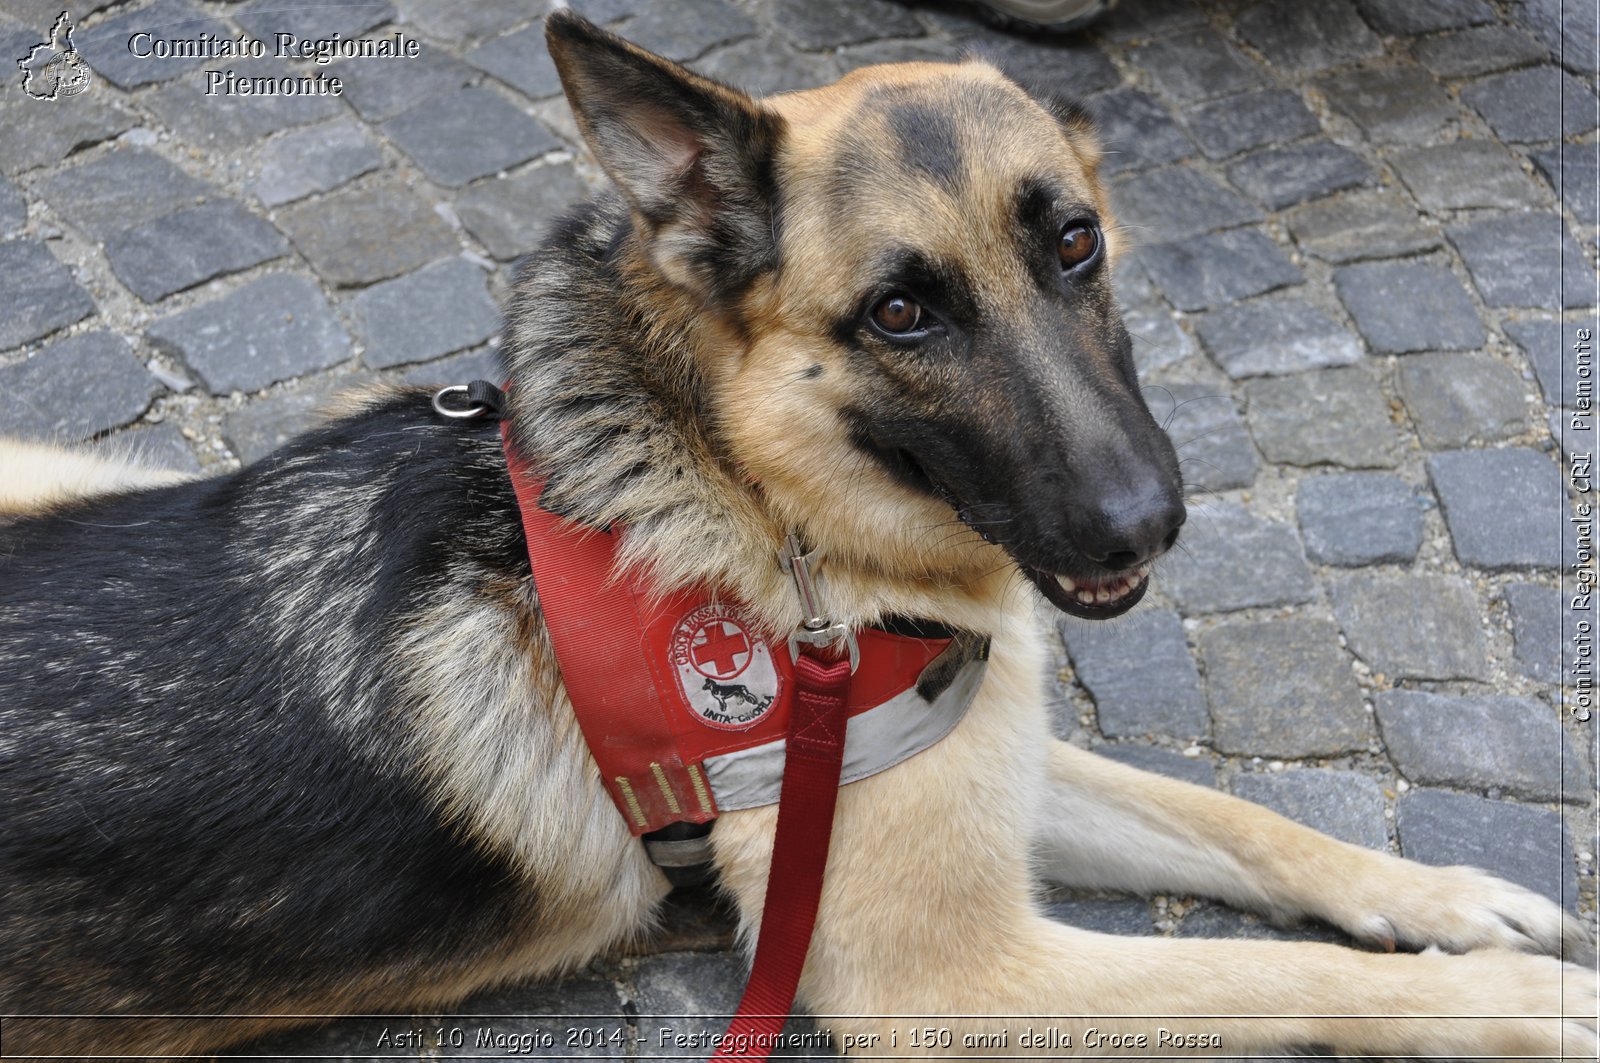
column 292, row 740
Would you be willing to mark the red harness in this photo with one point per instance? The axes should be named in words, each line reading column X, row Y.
column 662, row 684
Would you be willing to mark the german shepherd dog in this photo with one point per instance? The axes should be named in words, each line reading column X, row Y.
column 292, row 740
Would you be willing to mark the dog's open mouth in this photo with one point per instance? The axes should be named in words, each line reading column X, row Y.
column 1093, row 599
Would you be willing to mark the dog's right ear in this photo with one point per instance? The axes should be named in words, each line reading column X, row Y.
column 695, row 158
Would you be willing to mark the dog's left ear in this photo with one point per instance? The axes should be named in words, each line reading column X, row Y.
column 695, row 158
column 1079, row 124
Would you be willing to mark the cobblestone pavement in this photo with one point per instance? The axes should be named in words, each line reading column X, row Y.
column 1365, row 239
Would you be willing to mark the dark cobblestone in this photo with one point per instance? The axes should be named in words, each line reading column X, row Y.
column 1362, row 224
column 1219, row 268
column 1456, row 399
column 521, row 60
column 75, row 388
column 1196, row 66
column 1359, row 518
column 1129, row 916
column 13, row 208
column 1281, row 177
column 1524, row 845
column 1213, row 447
column 105, row 45
column 680, row 984
column 443, row 135
column 1148, row 19
column 684, row 29
column 1536, row 620
column 42, row 136
column 1436, row 314
column 1566, row 27
column 1330, row 416
column 1505, row 508
column 1249, row 120
column 1176, row 202
column 1139, row 673
column 190, row 246
column 1466, row 173
column 1062, row 65
column 510, row 214
column 229, row 122
column 1480, row 50
column 122, row 188
column 1392, row 105
column 765, row 67
column 39, row 295
column 435, row 311
column 1234, row 560
column 1479, row 743
column 315, row 160
column 160, row 446
column 367, row 231
column 1524, row 260
column 1408, row 18
column 1533, row 104
column 1197, row 770
column 814, row 27
column 256, row 430
column 1411, row 626
column 1341, row 804
column 1260, row 707
column 1275, row 335
column 484, row 363
column 1137, row 131
column 530, row 1009
column 1308, row 37
column 313, row 19
column 1546, row 345
column 382, row 88
column 275, row 328
column 1573, row 170
column 453, row 22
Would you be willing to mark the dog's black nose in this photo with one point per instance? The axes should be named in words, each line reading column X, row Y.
column 1123, row 530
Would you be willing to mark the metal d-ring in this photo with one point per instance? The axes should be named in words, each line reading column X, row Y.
column 442, row 410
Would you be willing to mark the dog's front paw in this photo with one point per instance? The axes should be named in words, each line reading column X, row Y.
column 1456, row 909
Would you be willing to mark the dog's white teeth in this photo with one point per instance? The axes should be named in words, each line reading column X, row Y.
column 1066, row 583
column 1085, row 596
column 1102, row 595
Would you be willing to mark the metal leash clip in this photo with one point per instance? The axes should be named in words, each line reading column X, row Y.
column 816, row 629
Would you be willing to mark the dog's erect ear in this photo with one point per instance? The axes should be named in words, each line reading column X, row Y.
column 695, row 158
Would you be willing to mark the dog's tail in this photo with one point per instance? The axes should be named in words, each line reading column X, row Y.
column 37, row 476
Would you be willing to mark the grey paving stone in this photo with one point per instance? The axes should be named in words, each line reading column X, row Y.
column 272, row 329
column 1341, row 804
column 1532, row 104
column 1259, row 707
column 685, row 29
column 1148, row 19
column 916, row 50
column 1524, row 259
column 39, row 295
column 1308, row 37
column 1527, row 846
column 1283, row 176
column 122, row 188
column 42, row 135
column 438, row 309
column 521, row 60
column 1456, row 399
column 1198, row 770
column 1139, row 673
column 765, row 66
column 1219, row 268
column 106, row 46
column 1061, row 64
column 1231, row 560
column 1392, row 105
column 1376, row 223
column 1412, row 626
column 545, row 1015
column 160, row 446
column 1158, row 342
column 1466, row 173
column 1326, row 417
column 1566, row 27
column 1214, row 450
column 312, row 19
column 367, row 231
column 382, row 88
column 1249, row 120
column 315, row 160
column 509, row 214
column 1178, row 202
column 1573, row 170
column 227, row 122
column 1478, row 743
column 1137, row 131
column 1406, row 18
column 13, row 208
column 1196, row 65
column 1130, row 916
column 75, row 388
column 444, row 135
column 257, row 429
column 679, row 984
column 457, row 23
column 1479, row 50
column 814, row 26
column 484, row 363
column 1536, row 621
column 190, row 246
column 1274, row 335
column 1436, row 314
column 1550, row 347
column 1359, row 518
column 1504, row 508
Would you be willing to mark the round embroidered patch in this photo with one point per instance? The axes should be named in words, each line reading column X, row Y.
column 724, row 668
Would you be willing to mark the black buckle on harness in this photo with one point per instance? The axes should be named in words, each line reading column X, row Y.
column 682, row 851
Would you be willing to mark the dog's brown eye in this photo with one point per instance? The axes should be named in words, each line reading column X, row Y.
column 1078, row 245
column 897, row 314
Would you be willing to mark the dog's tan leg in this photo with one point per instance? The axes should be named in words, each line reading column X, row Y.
column 1111, row 826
